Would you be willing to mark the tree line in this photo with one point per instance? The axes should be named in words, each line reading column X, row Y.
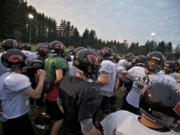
column 16, row 24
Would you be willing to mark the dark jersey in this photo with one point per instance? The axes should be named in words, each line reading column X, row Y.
column 80, row 100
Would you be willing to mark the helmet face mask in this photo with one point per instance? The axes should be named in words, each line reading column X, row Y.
column 160, row 104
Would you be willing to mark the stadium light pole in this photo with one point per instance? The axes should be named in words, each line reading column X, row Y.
column 30, row 16
column 152, row 35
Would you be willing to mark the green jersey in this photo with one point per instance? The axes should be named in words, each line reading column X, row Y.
column 52, row 64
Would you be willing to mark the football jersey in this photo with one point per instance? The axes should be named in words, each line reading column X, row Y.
column 52, row 64
column 13, row 89
column 140, row 80
column 30, row 55
column 109, row 67
column 126, row 123
column 70, row 70
column 80, row 100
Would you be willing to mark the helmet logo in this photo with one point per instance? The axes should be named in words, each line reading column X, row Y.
column 43, row 49
column 15, row 58
column 15, row 43
column 104, row 51
column 93, row 59
column 177, row 108
column 59, row 46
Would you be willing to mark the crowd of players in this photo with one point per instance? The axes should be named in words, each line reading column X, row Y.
column 76, row 86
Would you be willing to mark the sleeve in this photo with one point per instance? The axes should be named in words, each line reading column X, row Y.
column 61, row 63
column 119, row 70
column 106, row 67
column 89, row 104
column 131, row 73
column 105, row 74
column 112, row 121
column 17, row 82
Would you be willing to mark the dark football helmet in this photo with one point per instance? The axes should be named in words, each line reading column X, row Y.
column 42, row 50
column 87, row 62
column 14, row 59
column 169, row 67
column 129, row 56
column 57, row 47
column 177, row 65
column 160, row 104
column 140, row 60
column 26, row 46
column 9, row 44
column 41, row 121
column 106, row 52
column 78, row 49
column 115, row 57
column 159, row 58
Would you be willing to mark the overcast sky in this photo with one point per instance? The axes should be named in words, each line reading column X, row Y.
column 133, row 20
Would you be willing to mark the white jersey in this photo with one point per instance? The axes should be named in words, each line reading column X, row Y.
column 30, row 55
column 141, row 79
column 13, row 89
column 70, row 70
column 126, row 123
column 110, row 68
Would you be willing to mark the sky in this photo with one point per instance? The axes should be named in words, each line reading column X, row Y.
column 131, row 20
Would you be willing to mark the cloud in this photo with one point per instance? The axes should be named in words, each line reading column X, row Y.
column 132, row 20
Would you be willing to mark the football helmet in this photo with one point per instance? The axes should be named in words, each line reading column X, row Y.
column 159, row 58
column 160, row 104
column 177, row 65
column 26, row 47
column 169, row 67
column 115, row 57
column 9, row 44
column 129, row 56
column 87, row 62
column 42, row 50
column 140, row 60
column 57, row 47
column 14, row 59
column 106, row 52
column 42, row 121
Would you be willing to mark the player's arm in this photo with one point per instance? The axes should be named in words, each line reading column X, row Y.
column 36, row 93
column 59, row 75
column 116, row 86
column 88, row 128
column 104, row 79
